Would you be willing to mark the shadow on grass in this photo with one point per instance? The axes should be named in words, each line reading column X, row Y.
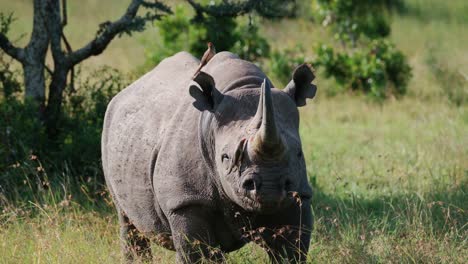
column 439, row 212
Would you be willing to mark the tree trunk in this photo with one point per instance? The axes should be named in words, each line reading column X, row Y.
column 34, row 81
column 54, row 102
column 61, row 67
column 34, row 57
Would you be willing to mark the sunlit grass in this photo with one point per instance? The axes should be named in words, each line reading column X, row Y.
column 399, row 146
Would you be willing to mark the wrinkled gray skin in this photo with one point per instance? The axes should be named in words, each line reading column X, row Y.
column 208, row 165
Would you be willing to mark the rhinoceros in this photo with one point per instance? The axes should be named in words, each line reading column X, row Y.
column 205, row 166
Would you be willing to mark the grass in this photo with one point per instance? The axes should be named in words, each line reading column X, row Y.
column 390, row 180
column 390, row 186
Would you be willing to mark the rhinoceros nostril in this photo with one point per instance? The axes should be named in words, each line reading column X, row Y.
column 249, row 185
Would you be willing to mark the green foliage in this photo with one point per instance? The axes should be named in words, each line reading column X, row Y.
column 366, row 61
column 77, row 146
column 180, row 32
column 352, row 18
column 282, row 63
column 17, row 120
column 9, row 77
column 251, row 45
column 5, row 22
column 219, row 30
column 9, row 82
column 378, row 70
column 83, row 118
column 174, row 34
column 275, row 9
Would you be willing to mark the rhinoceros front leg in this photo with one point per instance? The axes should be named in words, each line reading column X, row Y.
column 193, row 235
column 286, row 236
column 134, row 244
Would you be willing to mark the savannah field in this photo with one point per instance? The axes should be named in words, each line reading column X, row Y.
column 390, row 179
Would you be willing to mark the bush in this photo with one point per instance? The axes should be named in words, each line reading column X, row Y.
column 379, row 70
column 251, row 45
column 282, row 63
column 83, row 118
column 352, row 19
column 180, row 32
column 365, row 61
column 76, row 149
column 9, row 83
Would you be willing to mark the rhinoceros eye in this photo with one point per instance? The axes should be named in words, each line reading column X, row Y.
column 224, row 157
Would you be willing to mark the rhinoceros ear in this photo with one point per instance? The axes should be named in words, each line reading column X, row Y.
column 300, row 87
column 208, row 97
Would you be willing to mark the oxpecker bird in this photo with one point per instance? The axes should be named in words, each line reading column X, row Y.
column 209, row 53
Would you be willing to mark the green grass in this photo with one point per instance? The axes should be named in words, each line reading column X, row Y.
column 390, row 180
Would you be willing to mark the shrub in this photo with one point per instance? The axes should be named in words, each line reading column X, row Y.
column 282, row 63
column 76, row 149
column 379, row 70
column 251, row 45
column 9, row 81
column 365, row 61
column 9, row 77
column 174, row 33
column 351, row 19
column 180, row 32
column 83, row 118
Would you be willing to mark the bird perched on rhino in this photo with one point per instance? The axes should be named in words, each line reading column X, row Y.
column 209, row 53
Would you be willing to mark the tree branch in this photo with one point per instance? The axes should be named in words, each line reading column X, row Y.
column 67, row 44
column 266, row 8
column 109, row 30
column 12, row 51
column 55, row 31
column 64, row 13
column 226, row 9
column 49, row 71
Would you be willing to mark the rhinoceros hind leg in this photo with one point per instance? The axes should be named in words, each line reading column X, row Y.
column 134, row 244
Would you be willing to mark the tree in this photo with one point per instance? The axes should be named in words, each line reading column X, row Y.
column 271, row 9
column 217, row 22
column 50, row 18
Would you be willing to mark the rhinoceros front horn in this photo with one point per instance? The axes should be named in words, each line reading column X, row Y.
column 267, row 142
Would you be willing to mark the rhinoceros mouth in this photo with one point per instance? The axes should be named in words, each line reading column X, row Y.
column 263, row 204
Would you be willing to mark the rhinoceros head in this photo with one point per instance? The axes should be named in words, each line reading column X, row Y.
column 250, row 138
